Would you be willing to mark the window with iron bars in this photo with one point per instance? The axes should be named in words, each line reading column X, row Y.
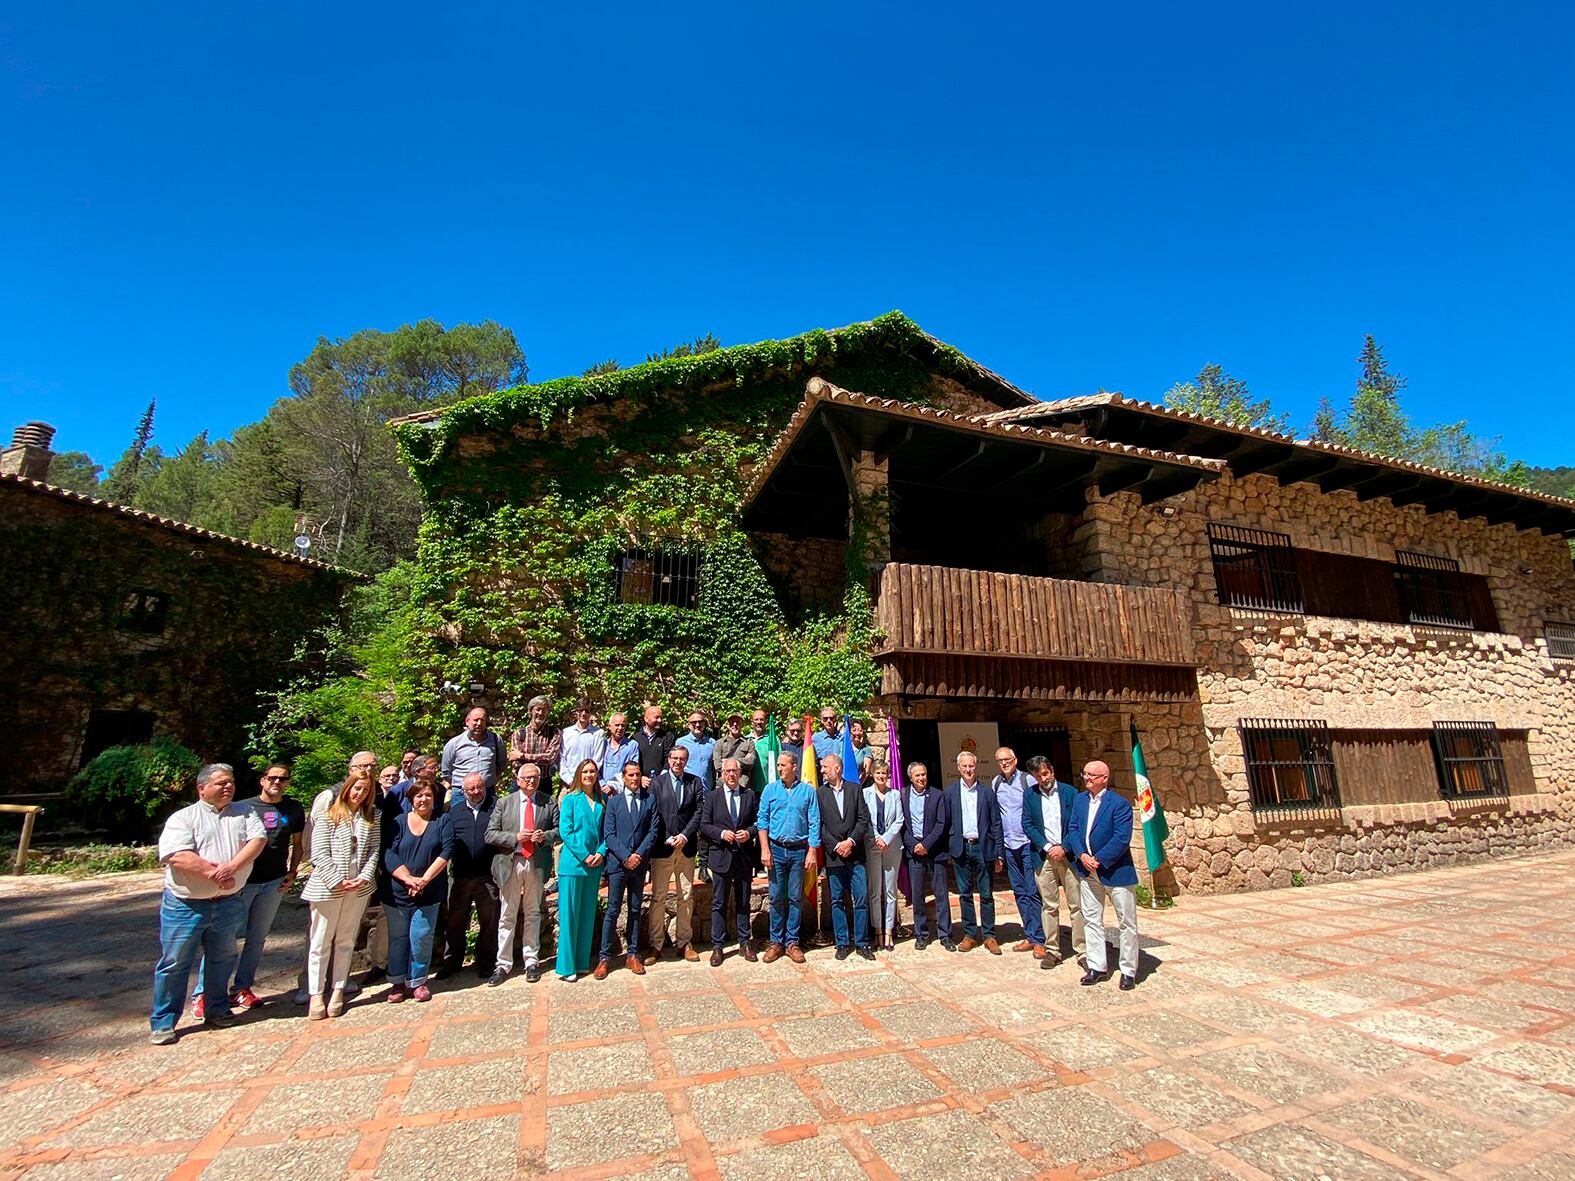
column 1431, row 592
column 1561, row 640
column 1290, row 764
column 144, row 611
column 1255, row 568
column 657, row 577
column 1470, row 762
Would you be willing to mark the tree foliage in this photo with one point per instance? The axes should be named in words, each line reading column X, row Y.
column 1216, row 394
column 75, row 470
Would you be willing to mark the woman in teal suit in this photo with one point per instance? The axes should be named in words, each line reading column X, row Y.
column 579, row 871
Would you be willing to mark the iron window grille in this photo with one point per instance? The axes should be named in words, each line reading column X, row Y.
column 1431, row 592
column 656, row 577
column 144, row 611
column 1470, row 762
column 1561, row 640
column 1290, row 764
column 1255, row 569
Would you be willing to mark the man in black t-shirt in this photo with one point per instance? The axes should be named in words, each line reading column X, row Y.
column 273, row 873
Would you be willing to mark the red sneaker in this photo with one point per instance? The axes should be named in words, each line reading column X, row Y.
column 199, row 1010
column 244, row 998
column 395, row 994
column 422, row 993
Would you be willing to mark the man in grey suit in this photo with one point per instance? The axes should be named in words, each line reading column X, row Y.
column 526, row 821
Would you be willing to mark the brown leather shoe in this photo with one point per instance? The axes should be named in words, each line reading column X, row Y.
column 749, row 953
column 794, row 953
column 968, row 943
column 991, row 946
column 635, row 965
column 1024, row 945
column 773, row 953
column 649, row 957
column 716, row 957
column 602, row 968
column 691, row 954
column 1039, row 951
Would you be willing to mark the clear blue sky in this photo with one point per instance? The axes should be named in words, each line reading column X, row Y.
column 1078, row 196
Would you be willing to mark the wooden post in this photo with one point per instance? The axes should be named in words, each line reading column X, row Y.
column 29, row 814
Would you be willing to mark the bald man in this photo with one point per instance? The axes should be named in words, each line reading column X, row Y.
column 1097, row 841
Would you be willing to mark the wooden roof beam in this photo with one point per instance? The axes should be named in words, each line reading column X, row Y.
column 1254, row 459
column 1164, row 487
column 1122, row 478
column 1387, row 484
column 1425, row 490
column 974, row 455
column 1349, row 477
column 1306, row 468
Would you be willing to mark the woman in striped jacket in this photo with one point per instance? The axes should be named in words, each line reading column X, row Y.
column 344, row 870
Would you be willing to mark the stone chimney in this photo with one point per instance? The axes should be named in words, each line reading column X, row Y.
column 28, row 455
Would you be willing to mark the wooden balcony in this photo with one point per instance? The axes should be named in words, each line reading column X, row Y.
column 941, row 611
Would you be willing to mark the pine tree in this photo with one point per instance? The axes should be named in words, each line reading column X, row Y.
column 1216, row 394
column 130, row 471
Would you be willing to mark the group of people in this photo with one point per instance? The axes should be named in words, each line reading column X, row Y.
column 429, row 842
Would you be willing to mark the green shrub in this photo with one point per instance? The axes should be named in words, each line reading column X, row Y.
column 87, row 860
column 127, row 790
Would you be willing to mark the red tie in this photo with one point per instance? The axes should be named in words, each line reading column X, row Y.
column 528, row 824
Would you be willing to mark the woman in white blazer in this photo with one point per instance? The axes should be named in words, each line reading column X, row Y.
column 883, row 853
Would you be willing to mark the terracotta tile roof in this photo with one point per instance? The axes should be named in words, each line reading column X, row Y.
column 38, row 487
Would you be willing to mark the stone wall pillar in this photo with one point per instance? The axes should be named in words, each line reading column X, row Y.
column 869, row 510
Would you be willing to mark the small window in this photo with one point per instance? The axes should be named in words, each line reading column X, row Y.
column 1561, row 640
column 1255, row 568
column 1470, row 761
column 664, row 578
column 1431, row 590
column 115, row 727
column 1290, row 764
column 144, row 611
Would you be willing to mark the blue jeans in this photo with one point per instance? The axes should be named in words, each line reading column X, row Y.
column 973, row 876
column 1025, row 888
column 849, row 881
column 188, row 926
column 410, row 942
column 787, row 893
column 261, row 900
column 625, row 887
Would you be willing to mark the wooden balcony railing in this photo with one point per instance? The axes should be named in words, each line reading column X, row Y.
column 938, row 609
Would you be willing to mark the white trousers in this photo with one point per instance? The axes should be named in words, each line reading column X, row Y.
column 519, row 904
column 331, row 941
column 679, row 870
column 1124, row 900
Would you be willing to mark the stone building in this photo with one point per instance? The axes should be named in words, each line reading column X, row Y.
column 1337, row 663
column 122, row 625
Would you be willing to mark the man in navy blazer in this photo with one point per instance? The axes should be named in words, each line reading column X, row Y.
column 631, row 827
column 1098, row 841
column 925, row 842
column 975, row 846
column 727, row 825
column 1047, row 813
column 844, row 827
column 678, row 796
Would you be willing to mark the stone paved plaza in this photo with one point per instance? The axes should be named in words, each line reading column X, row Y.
column 1415, row 1026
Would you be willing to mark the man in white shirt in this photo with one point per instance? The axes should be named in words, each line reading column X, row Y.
column 581, row 741
column 207, row 850
column 1047, row 810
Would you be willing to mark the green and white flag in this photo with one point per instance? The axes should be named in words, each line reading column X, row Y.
column 1155, row 828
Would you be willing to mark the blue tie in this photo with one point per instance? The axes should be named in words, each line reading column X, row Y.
column 732, row 807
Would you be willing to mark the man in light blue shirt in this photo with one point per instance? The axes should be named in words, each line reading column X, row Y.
column 700, row 748
column 620, row 749
column 828, row 739
column 789, row 823
column 1010, row 784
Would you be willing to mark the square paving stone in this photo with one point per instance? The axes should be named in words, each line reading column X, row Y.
column 462, row 1039
column 1225, row 973
column 1185, row 1167
column 1164, row 1030
column 111, row 1168
column 791, row 1000
column 330, row 1055
column 457, row 1088
column 1175, row 1095
column 880, row 1083
column 1418, row 1029
column 343, row 1103
column 150, row 1118
column 874, row 986
column 823, row 1157
column 955, row 1145
column 1482, row 1091
column 1318, row 1000
column 983, row 1064
column 750, row 1106
column 487, row 1150
column 513, row 996
column 921, row 1020
column 598, row 1132
column 1292, row 1151
column 240, row 1063
column 593, row 1025
column 598, row 1068
column 1489, row 1012
column 722, row 1049
column 692, row 1012
column 1534, row 1062
column 1277, row 1077
column 1557, row 1000
column 1079, row 1048
column 1238, row 1014
column 1010, row 1010
column 815, row 1037
column 1555, row 1166
column 1073, row 1124
column 33, row 1110
column 1408, row 1130
column 319, row 1157
column 1351, row 1050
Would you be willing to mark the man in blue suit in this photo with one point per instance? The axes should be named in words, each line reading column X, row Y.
column 1097, row 840
column 631, row 826
column 976, row 851
column 924, row 840
column 1047, row 813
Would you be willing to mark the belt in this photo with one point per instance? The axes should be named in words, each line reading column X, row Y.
column 970, row 840
column 802, row 844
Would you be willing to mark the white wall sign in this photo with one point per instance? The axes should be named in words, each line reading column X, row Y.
column 982, row 738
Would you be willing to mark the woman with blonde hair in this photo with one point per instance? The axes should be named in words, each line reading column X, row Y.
column 579, row 870
column 344, row 870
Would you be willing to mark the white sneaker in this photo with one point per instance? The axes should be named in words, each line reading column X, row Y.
column 351, row 988
column 301, row 996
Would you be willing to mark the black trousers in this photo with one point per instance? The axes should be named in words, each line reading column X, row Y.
column 926, row 875
column 624, row 887
column 730, row 886
column 464, row 893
